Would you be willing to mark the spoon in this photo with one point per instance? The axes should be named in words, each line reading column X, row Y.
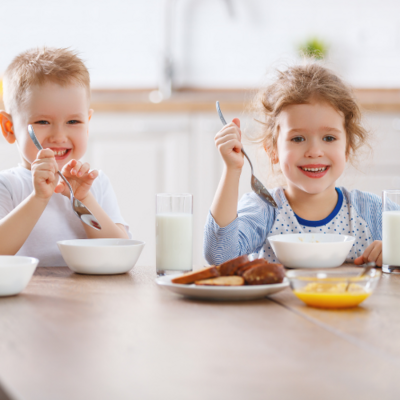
column 256, row 185
column 79, row 208
column 364, row 272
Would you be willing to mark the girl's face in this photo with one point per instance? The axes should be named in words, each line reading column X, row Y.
column 311, row 147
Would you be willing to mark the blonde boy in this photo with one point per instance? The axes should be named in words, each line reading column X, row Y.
column 50, row 89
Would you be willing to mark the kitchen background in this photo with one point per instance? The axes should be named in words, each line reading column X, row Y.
column 158, row 66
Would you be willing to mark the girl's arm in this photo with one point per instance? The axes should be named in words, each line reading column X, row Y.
column 246, row 234
column 224, row 205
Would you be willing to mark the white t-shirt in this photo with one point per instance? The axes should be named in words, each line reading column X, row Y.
column 58, row 221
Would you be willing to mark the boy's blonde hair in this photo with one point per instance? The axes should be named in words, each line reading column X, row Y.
column 297, row 85
column 40, row 65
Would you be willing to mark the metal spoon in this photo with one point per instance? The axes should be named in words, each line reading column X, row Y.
column 256, row 185
column 79, row 208
column 364, row 272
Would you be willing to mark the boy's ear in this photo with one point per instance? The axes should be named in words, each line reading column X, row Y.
column 7, row 127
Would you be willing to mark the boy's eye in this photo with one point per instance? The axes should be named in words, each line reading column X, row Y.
column 298, row 139
column 42, row 122
column 329, row 138
column 73, row 122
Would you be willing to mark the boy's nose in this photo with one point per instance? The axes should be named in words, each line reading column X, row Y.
column 57, row 135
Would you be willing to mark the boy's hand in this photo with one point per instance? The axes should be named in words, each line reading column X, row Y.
column 372, row 253
column 79, row 177
column 228, row 142
column 44, row 173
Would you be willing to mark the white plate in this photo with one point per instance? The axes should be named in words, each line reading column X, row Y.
column 247, row 292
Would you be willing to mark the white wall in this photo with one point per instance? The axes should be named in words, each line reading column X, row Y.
column 121, row 40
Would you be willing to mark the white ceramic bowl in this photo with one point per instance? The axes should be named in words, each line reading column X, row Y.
column 100, row 256
column 15, row 273
column 311, row 250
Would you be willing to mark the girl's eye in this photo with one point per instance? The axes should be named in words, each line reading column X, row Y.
column 329, row 139
column 73, row 122
column 298, row 139
column 42, row 122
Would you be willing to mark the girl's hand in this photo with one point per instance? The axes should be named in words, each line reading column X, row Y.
column 44, row 174
column 372, row 253
column 79, row 177
column 228, row 142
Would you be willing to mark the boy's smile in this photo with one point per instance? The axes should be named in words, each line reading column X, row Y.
column 60, row 117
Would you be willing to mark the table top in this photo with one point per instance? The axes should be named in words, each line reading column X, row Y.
column 70, row 336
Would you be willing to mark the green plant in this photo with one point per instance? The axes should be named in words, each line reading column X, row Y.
column 313, row 48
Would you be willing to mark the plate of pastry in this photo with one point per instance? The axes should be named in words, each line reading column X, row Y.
column 237, row 279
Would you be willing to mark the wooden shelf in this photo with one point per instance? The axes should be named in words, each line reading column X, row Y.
column 203, row 100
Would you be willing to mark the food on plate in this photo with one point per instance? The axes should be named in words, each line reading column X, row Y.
column 237, row 272
column 332, row 295
column 255, row 263
column 229, row 268
column 191, row 277
column 264, row 274
column 222, row 281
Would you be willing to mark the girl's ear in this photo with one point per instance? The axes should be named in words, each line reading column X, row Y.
column 272, row 155
column 7, row 127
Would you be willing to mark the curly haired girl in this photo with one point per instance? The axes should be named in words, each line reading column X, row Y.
column 311, row 128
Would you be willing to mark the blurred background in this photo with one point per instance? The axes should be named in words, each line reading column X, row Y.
column 158, row 66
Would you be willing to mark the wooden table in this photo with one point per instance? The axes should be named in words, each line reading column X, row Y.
column 70, row 336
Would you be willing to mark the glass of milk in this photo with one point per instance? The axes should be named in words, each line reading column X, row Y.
column 174, row 233
column 391, row 231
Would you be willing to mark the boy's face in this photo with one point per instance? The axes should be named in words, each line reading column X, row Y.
column 60, row 118
column 311, row 146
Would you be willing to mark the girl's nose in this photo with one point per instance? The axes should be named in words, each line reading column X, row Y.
column 313, row 151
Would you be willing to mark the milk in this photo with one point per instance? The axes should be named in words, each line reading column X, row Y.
column 174, row 234
column 391, row 238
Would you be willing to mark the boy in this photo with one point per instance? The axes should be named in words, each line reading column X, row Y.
column 50, row 89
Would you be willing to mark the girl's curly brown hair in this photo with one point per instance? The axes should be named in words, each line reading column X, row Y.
column 297, row 85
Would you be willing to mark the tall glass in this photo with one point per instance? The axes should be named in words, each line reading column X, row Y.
column 174, row 233
column 391, row 231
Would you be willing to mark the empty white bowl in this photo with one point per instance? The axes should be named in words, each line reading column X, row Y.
column 311, row 250
column 15, row 273
column 100, row 256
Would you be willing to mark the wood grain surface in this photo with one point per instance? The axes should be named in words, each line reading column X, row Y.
column 70, row 336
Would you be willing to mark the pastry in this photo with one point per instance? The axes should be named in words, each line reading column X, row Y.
column 229, row 268
column 222, row 281
column 190, row 277
column 264, row 274
column 241, row 270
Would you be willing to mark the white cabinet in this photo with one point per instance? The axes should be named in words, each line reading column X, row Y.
column 145, row 154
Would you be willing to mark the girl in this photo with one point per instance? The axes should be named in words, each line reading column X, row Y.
column 311, row 129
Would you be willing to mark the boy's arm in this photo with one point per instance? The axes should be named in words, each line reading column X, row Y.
column 18, row 224
column 109, row 229
column 81, row 179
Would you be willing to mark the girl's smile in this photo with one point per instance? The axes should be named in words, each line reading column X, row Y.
column 311, row 147
column 314, row 170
